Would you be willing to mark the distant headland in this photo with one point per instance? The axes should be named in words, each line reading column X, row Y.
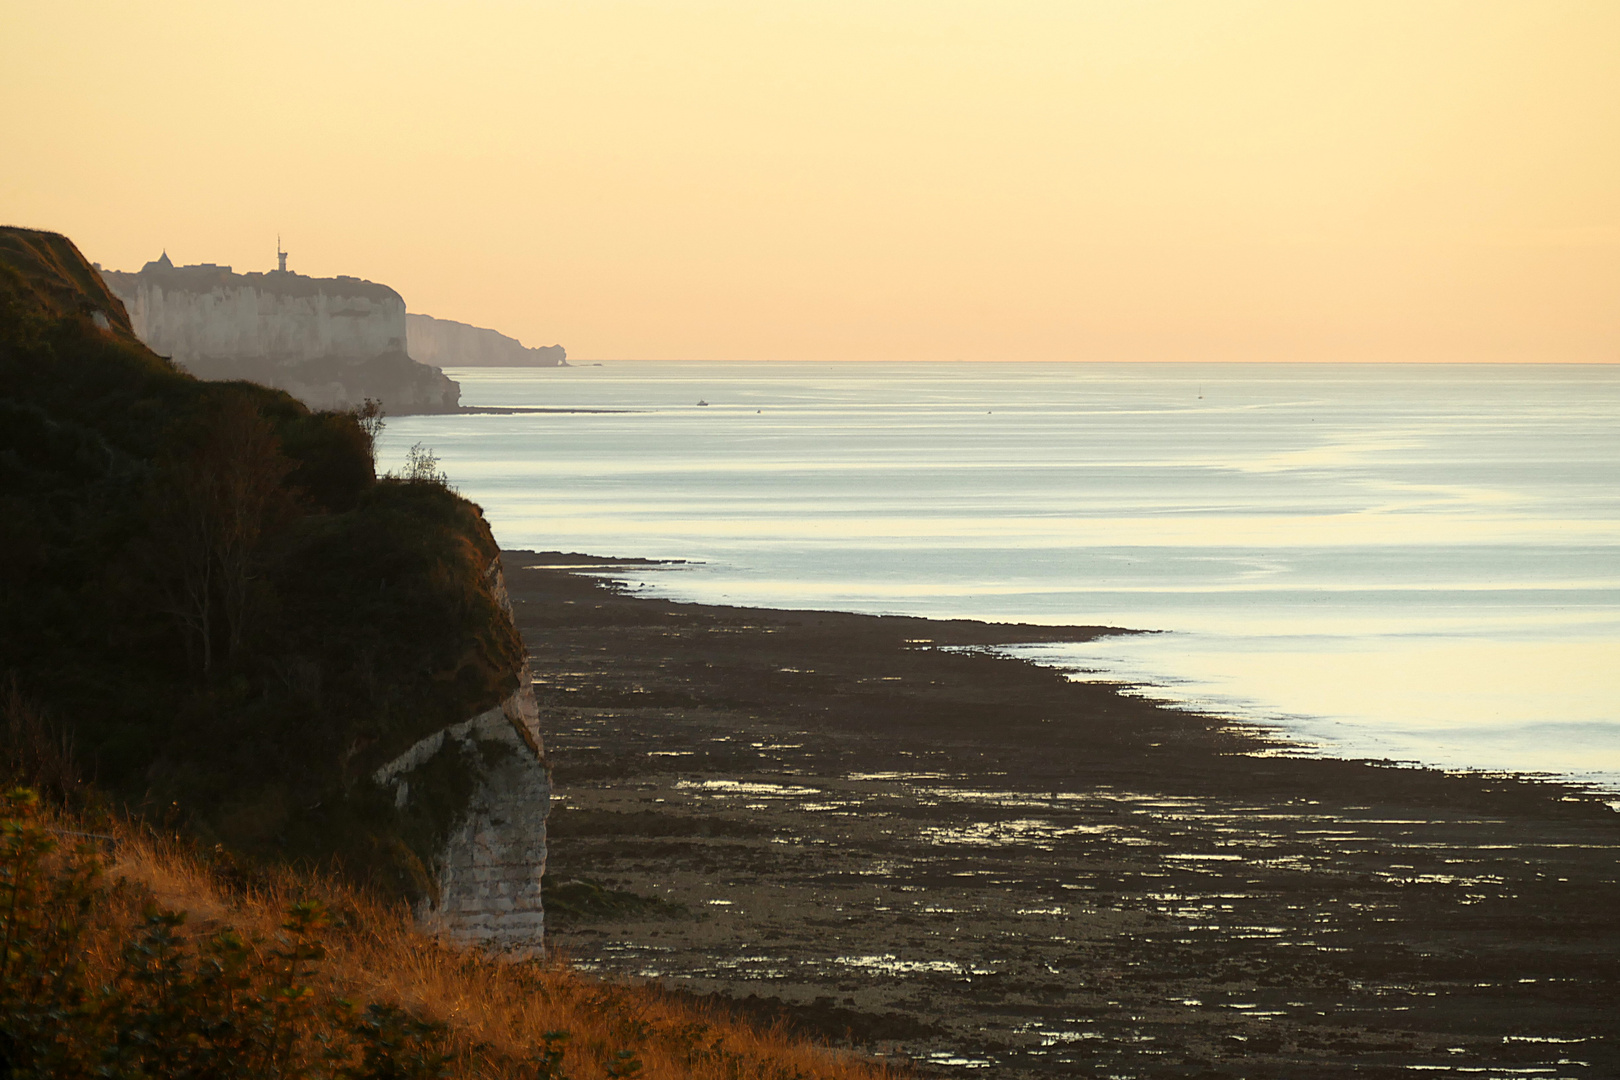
column 330, row 342
column 456, row 344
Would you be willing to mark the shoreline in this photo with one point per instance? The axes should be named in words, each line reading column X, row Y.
column 961, row 857
column 1273, row 727
column 520, row 410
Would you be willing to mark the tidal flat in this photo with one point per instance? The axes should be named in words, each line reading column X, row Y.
column 872, row 830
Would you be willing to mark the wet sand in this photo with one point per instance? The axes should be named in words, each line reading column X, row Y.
column 868, row 827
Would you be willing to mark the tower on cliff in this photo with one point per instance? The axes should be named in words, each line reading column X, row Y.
column 281, row 256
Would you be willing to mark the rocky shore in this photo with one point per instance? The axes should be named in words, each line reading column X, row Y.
column 873, row 829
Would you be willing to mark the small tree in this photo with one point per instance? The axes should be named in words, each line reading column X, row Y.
column 208, row 512
column 370, row 417
column 422, row 467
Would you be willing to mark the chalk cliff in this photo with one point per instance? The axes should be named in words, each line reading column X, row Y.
column 486, row 876
column 330, row 342
column 456, row 344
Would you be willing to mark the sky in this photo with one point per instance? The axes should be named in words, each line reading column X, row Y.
column 1085, row 180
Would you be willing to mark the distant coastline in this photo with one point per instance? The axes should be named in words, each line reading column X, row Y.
column 457, row 344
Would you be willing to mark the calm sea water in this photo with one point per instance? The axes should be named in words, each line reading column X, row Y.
column 1412, row 562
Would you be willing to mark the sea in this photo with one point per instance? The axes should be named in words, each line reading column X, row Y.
column 1417, row 563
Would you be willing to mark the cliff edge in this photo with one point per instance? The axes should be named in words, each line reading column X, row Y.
column 243, row 631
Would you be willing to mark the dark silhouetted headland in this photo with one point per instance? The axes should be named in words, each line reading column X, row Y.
column 247, row 632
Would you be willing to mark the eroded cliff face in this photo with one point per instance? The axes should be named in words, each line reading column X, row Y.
column 331, row 342
column 487, row 875
column 456, row 344
column 201, row 312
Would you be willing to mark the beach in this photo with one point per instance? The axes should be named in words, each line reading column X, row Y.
column 877, row 829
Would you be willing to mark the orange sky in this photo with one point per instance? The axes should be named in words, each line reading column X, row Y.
column 862, row 179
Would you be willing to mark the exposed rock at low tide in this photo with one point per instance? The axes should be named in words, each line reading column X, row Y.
column 969, row 860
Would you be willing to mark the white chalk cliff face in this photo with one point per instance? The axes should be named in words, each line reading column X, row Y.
column 245, row 316
column 332, row 342
column 489, row 871
column 456, row 344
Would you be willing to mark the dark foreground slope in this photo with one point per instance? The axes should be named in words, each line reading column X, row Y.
column 107, row 978
column 882, row 831
column 214, row 598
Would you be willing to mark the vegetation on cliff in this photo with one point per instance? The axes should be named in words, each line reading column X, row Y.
column 125, row 955
column 206, row 586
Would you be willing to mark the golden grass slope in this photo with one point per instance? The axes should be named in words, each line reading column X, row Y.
column 329, row 982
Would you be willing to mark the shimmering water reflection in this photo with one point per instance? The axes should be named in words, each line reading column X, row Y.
column 1413, row 562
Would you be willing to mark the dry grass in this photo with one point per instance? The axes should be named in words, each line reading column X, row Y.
column 502, row 1016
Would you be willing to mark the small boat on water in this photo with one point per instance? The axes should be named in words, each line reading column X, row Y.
column 702, row 402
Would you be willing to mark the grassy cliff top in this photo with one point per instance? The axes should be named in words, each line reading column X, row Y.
column 208, row 277
column 52, row 278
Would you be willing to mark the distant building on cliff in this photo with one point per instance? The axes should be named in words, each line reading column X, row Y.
column 331, row 342
column 456, row 344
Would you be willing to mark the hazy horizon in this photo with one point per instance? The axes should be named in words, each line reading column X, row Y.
column 1242, row 180
column 576, row 360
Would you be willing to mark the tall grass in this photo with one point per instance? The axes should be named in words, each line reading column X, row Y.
column 153, row 960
